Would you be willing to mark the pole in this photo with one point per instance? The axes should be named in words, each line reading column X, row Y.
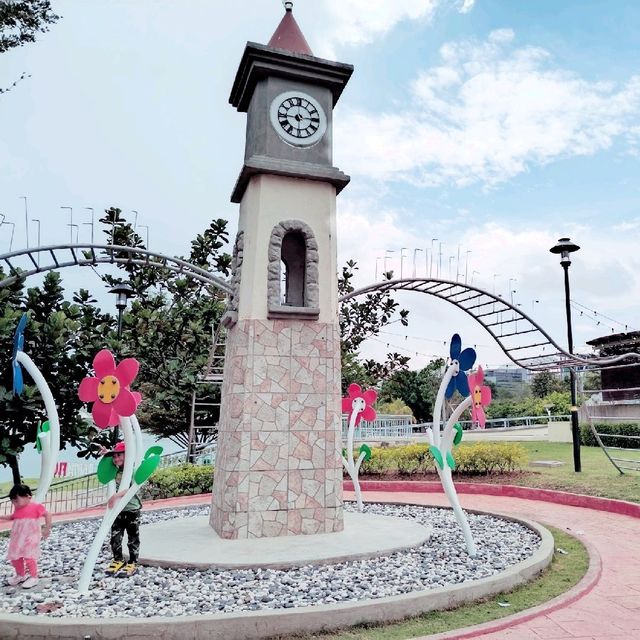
column 26, row 219
column 575, row 431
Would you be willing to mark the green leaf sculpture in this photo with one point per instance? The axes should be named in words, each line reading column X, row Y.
column 156, row 450
column 367, row 451
column 458, row 437
column 450, row 461
column 435, row 452
column 147, row 467
column 43, row 427
column 106, row 470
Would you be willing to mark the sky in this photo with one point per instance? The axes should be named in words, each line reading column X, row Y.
column 476, row 133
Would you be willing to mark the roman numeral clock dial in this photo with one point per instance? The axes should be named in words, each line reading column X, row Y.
column 298, row 118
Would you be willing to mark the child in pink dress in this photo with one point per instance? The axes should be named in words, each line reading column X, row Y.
column 24, row 543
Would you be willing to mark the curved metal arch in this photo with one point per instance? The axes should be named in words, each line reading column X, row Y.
column 27, row 262
column 522, row 339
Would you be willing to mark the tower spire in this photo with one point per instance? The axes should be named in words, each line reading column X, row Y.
column 288, row 36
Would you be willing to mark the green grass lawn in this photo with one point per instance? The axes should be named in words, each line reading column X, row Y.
column 564, row 572
column 597, row 478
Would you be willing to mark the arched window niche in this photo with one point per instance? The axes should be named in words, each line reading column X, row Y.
column 292, row 286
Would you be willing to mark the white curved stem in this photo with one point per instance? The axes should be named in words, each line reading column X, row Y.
column 449, row 432
column 129, row 453
column 111, row 488
column 452, row 370
column 349, row 464
column 106, row 524
column 452, row 496
column 50, row 453
column 447, row 480
column 138, row 438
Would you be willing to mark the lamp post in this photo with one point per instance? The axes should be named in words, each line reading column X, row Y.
column 377, row 259
column 431, row 264
column 122, row 292
column 402, row 250
column 415, row 251
column 565, row 247
column 387, row 257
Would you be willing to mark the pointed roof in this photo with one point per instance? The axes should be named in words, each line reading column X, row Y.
column 288, row 35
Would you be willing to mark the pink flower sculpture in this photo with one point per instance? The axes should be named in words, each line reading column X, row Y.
column 367, row 397
column 480, row 396
column 109, row 390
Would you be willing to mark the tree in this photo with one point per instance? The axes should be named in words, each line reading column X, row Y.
column 417, row 389
column 61, row 338
column 169, row 326
column 361, row 320
column 20, row 22
column 545, row 383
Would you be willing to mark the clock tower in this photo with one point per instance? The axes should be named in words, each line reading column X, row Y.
column 278, row 468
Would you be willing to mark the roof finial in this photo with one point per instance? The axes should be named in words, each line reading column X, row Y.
column 288, row 6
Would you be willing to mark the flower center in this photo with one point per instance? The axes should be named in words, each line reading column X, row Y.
column 108, row 389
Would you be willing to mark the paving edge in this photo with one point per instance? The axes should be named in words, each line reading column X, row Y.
column 621, row 507
column 581, row 589
column 264, row 624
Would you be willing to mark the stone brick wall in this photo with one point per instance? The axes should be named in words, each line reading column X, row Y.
column 278, row 468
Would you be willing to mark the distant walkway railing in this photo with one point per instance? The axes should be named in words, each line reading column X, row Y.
column 401, row 426
column 384, row 426
column 86, row 491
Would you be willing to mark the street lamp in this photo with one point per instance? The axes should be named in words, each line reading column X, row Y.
column 431, row 264
column 565, row 247
column 402, row 250
column 386, row 257
column 415, row 251
column 122, row 292
column 378, row 258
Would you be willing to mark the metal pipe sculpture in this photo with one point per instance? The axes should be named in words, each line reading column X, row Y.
column 443, row 440
column 358, row 405
column 114, row 403
column 48, row 437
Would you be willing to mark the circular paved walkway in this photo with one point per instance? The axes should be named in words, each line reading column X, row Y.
column 610, row 611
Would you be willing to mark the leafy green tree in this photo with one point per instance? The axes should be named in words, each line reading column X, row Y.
column 417, row 389
column 394, row 408
column 61, row 338
column 363, row 318
column 545, row 383
column 169, row 327
column 20, row 22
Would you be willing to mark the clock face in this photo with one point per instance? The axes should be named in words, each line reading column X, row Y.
column 298, row 118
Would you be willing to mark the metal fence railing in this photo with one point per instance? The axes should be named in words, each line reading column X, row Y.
column 86, row 491
column 385, row 426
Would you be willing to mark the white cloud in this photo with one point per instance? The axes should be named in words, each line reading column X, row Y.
column 467, row 5
column 605, row 276
column 490, row 111
column 357, row 22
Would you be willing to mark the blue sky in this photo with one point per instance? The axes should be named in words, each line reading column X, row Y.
column 494, row 126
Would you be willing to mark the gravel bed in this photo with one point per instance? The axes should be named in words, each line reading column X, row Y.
column 155, row 591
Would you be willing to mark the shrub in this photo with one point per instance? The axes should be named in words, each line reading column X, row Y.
column 611, row 429
column 489, row 457
column 475, row 458
column 181, row 480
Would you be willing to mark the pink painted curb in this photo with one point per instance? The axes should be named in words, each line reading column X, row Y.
column 620, row 507
column 586, row 584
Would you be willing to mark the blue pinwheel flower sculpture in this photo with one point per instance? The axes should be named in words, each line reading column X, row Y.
column 465, row 359
column 18, row 345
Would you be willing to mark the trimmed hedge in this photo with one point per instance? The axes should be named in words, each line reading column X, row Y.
column 181, row 480
column 620, row 428
column 474, row 459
